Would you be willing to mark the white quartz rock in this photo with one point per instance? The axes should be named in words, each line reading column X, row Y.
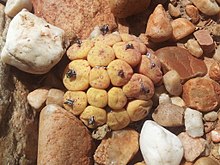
column 159, row 146
column 193, row 123
column 32, row 45
column 13, row 7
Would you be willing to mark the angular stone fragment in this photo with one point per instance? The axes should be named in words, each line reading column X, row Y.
column 159, row 146
column 63, row 139
column 205, row 40
column 120, row 148
column 75, row 17
column 158, row 27
column 167, row 111
column 193, row 13
column 37, row 97
column 13, row 7
column 211, row 116
column 193, row 147
column 32, row 45
column 193, row 123
column 202, row 94
column 181, row 28
column 179, row 59
column 173, row 11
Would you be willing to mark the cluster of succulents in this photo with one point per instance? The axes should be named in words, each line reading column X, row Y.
column 110, row 79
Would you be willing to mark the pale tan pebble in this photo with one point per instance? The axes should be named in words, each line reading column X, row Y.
column 164, row 98
column 193, row 13
column 172, row 83
column 193, row 123
column 193, row 147
column 159, row 28
column 13, row 7
column 186, row 2
column 182, row 28
column 211, row 116
column 111, row 148
column 167, row 111
column 208, row 7
column 216, row 30
column 158, row 91
column 215, row 135
column 194, row 48
column 173, row 11
column 205, row 161
column 205, row 40
column 216, row 55
column 37, row 97
column 140, row 163
column 55, row 96
column 178, row 101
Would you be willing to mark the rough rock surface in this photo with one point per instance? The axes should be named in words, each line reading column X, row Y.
column 110, row 150
column 179, row 59
column 18, row 127
column 75, row 17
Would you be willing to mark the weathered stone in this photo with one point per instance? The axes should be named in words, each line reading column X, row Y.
column 181, row 28
column 110, row 150
column 179, row 59
column 193, row 13
column 76, row 17
column 173, row 11
column 159, row 146
column 55, row 96
column 166, row 111
column 193, row 147
column 206, row 161
column 63, row 138
column 193, row 123
column 211, row 116
column 159, row 27
column 202, row 94
column 194, row 48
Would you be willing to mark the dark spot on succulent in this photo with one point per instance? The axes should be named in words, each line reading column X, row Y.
column 71, row 73
column 47, row 26
column 144, row 89
column 121, row 74
column 129, row 46
column 91, row 120
column 78, row 42
column 104, row 29
column 152, row 65
column 69, row 102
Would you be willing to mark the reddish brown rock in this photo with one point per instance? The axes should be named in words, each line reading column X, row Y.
column 193, row 13
column 179, row 59
column 63, row 139
column 202, row 94
column 205, row 40
column 76, row 17
column 120, row 148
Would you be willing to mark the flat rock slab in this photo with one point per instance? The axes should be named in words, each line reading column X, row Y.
column 179, row 59
column 75, row 17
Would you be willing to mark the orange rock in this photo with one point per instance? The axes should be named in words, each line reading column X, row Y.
column 193, row 13
column 159, row 28
column 181, row 28
column 202, row 94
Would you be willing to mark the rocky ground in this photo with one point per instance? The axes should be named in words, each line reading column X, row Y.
column 19, row 114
